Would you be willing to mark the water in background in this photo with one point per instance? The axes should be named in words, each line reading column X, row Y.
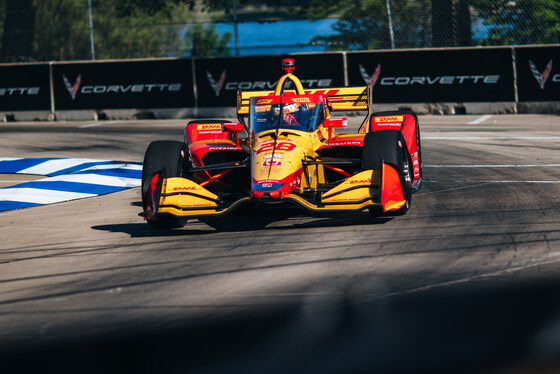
column 264, row 38
column 277, row 37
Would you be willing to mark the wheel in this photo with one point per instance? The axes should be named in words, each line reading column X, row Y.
column 389, row 146
column 160, row 155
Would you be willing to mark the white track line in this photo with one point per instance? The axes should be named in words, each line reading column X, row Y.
column 98, row 124
column 493, row 181
column 548, row 259
column 494, row 166
column 490, row 137
column 480, row 120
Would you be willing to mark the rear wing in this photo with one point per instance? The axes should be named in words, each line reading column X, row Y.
column 341, row 98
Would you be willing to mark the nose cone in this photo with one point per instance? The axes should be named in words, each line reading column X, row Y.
column 276, row 168
column 275, row 189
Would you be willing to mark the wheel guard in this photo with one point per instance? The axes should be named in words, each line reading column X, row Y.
column 392, row 196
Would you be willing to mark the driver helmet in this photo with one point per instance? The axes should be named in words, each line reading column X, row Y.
column 288, row 108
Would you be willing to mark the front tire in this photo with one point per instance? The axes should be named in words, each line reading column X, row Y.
column 168, row 157
column 389, row 146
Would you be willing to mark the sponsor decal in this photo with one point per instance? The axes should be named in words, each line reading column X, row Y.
column 21, row 91
column 224, row 148
column 541, row 77
column 74, row 89
column 335, row 143
column 267, row 85
column 264, row 101
column 212, row 126
column 393, row 124
column 391, row 119
column 272, row 163
column 370, row 79
column 301, row 100
column 425, row 80
column 216, row 86
column 360, row 181
column 189, row 188
column 295, row 183
column 440, row 80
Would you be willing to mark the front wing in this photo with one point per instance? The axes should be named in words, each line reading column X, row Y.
column 185, row 198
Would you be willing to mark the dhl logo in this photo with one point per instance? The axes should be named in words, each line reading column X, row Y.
column 301, row 100
column 188, row 188
column 211, row 126
column 360, row 181
column 389, row 119
column 264, row 101
column 315, row 92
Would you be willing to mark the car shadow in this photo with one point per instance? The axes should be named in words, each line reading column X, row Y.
column 248, row 218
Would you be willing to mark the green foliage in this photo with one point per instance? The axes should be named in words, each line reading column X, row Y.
column 2, row 16
column 363, row 24
column 61, row 30
column 209, row 43
column 122, row 29
column 141, row 33
column 520, row 21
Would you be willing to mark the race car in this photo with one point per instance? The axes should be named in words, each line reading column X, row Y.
column 285, row 150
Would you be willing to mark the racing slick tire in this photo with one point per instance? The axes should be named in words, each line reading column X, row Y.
column 171, row 156
column 389, row 146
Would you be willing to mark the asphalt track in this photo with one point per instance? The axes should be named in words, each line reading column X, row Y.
column 467, row 282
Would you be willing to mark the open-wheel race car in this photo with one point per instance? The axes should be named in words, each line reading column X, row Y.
column 285, row 149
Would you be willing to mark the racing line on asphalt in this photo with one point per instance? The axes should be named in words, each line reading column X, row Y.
column 480, row 120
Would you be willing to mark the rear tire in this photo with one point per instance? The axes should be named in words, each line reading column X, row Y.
column 389, row 146
column 168, row 156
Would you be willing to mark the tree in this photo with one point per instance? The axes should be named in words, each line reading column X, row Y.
column 123, row 29
column 61, row 31
column 451, row 23
column 2, row 19
column 206, row 42
column 363, row 24
column 520, row 21
column 17, row 36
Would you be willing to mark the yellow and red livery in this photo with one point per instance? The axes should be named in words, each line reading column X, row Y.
column 285, row 149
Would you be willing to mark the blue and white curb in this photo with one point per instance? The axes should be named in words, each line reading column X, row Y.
column 67, row 179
